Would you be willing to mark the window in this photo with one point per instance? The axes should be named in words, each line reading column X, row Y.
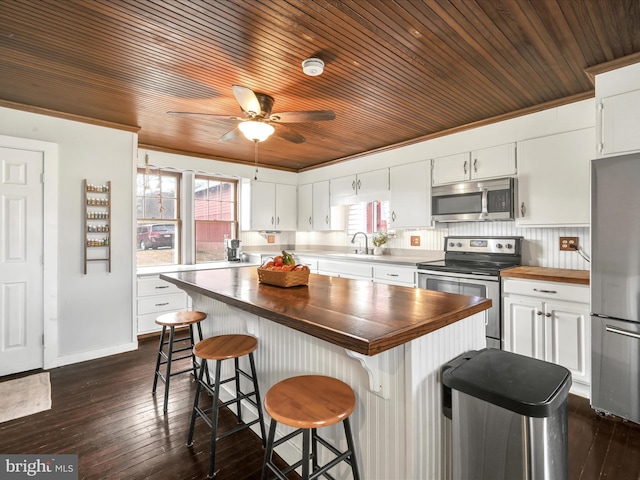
column 215, row 216
column 158, row 215
column 368, row 217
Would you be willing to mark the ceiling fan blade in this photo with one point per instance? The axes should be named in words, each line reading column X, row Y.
column 209, row 115
column 230, row 135
column 288, row 134
column 303, row 116
column 247, row 99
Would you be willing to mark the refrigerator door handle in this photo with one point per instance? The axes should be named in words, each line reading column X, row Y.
column 620, row 331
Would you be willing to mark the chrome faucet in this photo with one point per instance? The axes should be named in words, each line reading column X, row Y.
column 366, row 241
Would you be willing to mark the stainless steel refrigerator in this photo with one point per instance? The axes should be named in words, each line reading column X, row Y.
column 615, row 286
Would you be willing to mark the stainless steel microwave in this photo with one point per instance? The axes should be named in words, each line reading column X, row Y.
column 475, row 201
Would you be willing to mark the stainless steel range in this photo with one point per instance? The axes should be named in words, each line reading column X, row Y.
column 472, row 267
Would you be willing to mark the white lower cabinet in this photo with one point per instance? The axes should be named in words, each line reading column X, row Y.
column 310, row 262
column 395, row 275
column 550, row 321
column 401, row 275
column 353, row 270
column 156, row 297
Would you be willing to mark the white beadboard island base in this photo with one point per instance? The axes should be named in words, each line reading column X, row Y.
column 401, row 433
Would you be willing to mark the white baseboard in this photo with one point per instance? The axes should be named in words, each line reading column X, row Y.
column 93, row 354
column 581, row 389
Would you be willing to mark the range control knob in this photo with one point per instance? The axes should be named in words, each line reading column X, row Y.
column 498, row 245
column 451, row 244
column 509, row 246
column 458, row 245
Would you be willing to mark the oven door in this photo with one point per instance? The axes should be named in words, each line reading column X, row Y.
column 487, row 287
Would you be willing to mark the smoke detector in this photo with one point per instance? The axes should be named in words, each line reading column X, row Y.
column 313, row 67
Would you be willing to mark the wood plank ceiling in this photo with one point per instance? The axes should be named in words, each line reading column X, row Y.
column 396, row 71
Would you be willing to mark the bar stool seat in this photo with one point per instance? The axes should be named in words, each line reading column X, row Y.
column 175, row 345
column 307, row 403
column 218, row 349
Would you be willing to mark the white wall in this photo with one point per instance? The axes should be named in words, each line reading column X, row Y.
column 95, row 315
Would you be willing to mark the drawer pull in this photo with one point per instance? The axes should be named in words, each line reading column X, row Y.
column 620, row 331
column 392, row 275
column 162, row 304
column 163, row 286
column 542, row 290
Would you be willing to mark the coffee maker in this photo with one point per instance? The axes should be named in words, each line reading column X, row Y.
column 232, row 249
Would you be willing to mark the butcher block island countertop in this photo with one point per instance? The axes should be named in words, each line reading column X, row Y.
column 365, row 317
column 563, row 275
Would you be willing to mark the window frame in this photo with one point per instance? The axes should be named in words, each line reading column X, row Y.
column 177, row 220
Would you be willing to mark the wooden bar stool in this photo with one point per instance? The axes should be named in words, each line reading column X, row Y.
column 219, row 348
column 307, row 403
column 171, row 321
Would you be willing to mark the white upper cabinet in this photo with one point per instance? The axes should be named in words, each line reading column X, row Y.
column 321, row 206
column 305, row 207
column 451, row 169
column 410, row 195
column 491, row 162
column 363, row 187
column 286, row 203
column 344, row 186
column 619, row 117
column 272, row 206
column 618, row 111
column 553, row 179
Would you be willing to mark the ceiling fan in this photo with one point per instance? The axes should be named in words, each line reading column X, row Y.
column 257, row 122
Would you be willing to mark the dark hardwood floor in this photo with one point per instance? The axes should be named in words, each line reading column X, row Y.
column 103, row 411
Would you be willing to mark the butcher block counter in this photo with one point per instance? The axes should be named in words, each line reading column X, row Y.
column 563, row 275
column 362, row 316
column 387, row 342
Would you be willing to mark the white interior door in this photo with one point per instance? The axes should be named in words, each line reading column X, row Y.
column 21, row 260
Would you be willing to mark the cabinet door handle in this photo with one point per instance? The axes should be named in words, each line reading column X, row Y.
column 620, row 331
column 162, row 304
column 163, row 286
column 464, row 166
column 272, row 220
column 542, row 290
column 310, row 222
column 522, row 209
column 547, row 314
column 359, row 184
column 353, row 185
column 393, row 216
column 475, row 165
column 277, row 220
column 326, row 220
column 538, row 313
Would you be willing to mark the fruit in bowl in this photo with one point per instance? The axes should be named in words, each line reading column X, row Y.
column 282, row 263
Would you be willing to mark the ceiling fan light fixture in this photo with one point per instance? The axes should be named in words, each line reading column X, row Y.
column 313, row 67
column 256, row 131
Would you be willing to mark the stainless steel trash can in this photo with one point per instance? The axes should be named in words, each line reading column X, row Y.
column 509, row 416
